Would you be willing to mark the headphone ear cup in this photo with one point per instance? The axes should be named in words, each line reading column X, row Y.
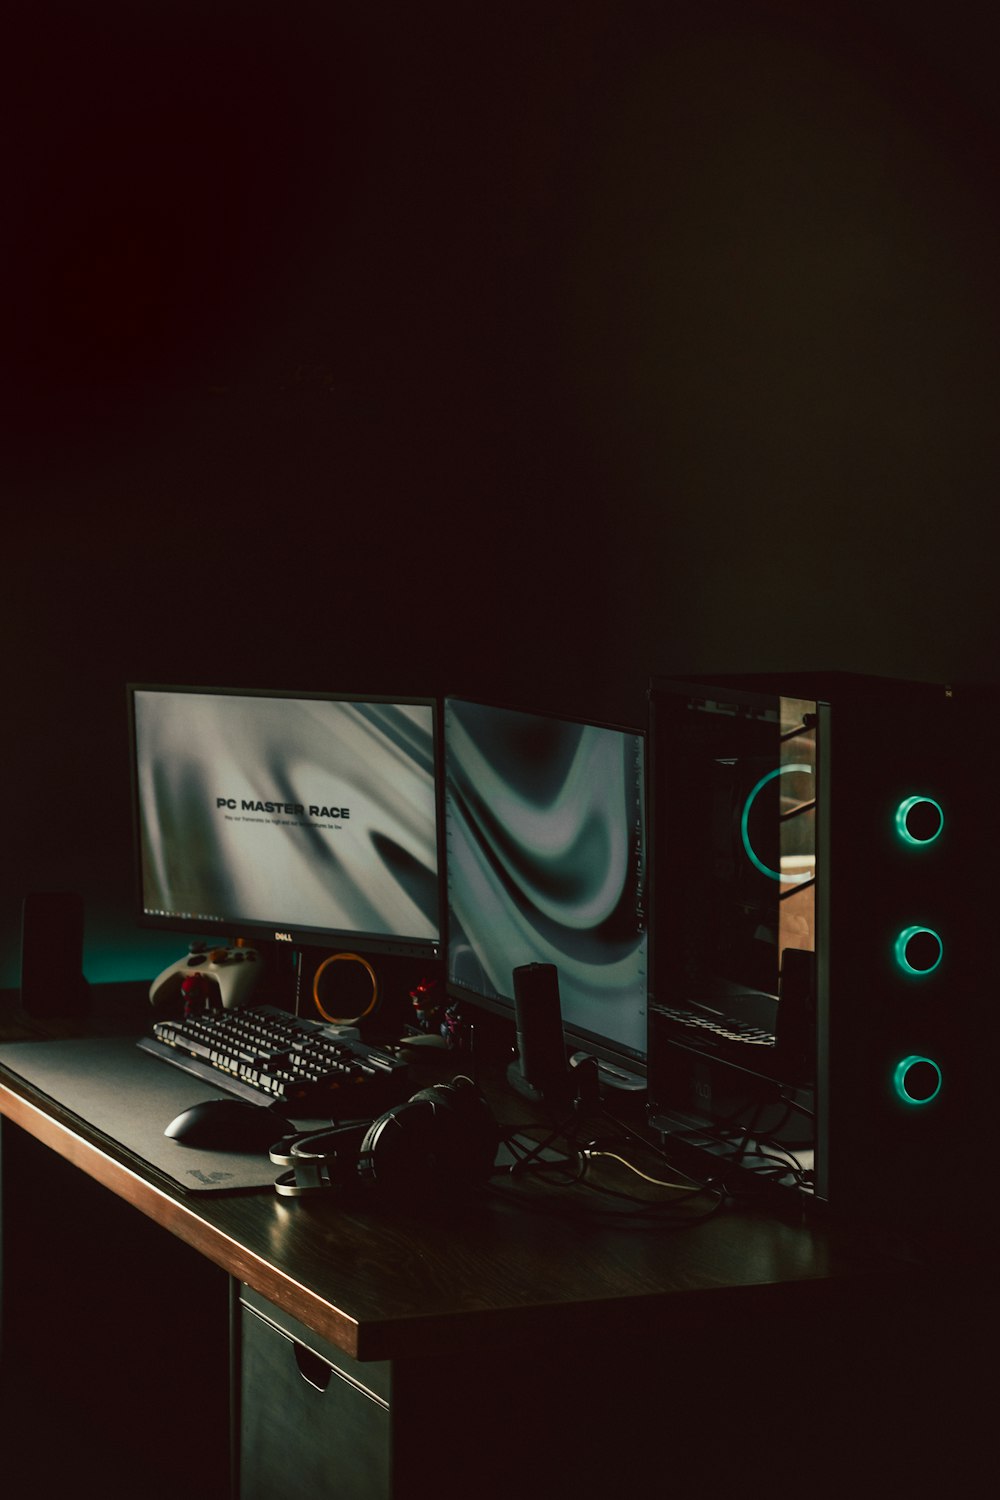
column 467, row 1123
column 399, row 1153
column 441, row 1140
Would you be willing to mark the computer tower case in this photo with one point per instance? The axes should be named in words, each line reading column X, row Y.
column 820, row 1017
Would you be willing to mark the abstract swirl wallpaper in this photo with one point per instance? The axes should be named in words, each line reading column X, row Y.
column 545, row 847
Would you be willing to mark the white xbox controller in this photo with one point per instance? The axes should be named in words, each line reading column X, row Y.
column 234, row 972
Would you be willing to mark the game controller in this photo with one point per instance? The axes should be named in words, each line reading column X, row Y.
column 231, row 973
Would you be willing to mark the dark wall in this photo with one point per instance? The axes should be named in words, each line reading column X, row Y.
column 519, row 349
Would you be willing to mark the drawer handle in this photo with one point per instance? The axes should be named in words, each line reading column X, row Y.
column 314, row 1371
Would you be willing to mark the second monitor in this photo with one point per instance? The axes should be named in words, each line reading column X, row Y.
column 546, row 863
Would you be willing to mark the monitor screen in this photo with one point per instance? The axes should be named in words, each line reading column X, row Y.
column 545, row 830
column 313, row 818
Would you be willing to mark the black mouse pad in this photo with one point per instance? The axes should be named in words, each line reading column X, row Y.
column 130, row 1098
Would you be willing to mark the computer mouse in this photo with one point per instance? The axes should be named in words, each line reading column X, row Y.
column 228, row 1125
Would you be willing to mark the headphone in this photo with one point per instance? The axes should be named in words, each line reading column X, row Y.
column 442, row 1140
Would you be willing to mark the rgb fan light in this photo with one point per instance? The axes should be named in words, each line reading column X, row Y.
column 917, row 1080
column 919, row 820
column 918, row 950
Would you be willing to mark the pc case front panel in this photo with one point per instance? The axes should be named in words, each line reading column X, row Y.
column 904, row 1012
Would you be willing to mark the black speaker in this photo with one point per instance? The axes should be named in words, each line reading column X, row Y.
column 52, row 981
column 541, row 1070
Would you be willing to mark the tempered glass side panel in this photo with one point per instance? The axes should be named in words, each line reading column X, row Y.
column 733, row 808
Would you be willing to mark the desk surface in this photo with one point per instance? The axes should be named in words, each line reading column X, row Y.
column 383, row 1283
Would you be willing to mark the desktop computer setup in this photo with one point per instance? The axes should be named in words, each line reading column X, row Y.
column 749, row 917
column 377, row 858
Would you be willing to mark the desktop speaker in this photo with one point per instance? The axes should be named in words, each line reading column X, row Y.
column 540, row 1070
column 438, row 1143
column 52, row 980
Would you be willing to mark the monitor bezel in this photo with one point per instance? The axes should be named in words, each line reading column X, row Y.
column 579, row 1038
column 292, row 935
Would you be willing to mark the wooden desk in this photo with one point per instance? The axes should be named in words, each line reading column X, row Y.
column 498, row 1349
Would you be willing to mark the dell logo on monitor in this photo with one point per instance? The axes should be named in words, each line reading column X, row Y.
column 283, row 937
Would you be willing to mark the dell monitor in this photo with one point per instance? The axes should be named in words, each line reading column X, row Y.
column 545, row 840
column 308, row 818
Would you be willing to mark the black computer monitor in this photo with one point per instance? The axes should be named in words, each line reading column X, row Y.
column 545, row 839
column 312, row 818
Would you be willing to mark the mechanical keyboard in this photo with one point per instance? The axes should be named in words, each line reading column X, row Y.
column 265, row 1055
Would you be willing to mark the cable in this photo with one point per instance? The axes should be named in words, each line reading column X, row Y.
column 681, row 1187
column 531, row 1158
column 645, row 1143
column 571, row 1169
